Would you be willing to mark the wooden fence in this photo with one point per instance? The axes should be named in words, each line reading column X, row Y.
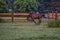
column 16, row 16
column 23, row 16
column 53, row 15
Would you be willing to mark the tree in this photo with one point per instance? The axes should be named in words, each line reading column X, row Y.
column 3, row 5
column 20, row 5
column 26, row 5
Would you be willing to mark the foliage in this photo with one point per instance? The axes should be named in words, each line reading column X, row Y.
column 54, row 23
column 3, row 5
column 26, row 5
column 20, row 5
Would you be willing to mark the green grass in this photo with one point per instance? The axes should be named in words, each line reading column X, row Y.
column 23, row 30
column 54, row 23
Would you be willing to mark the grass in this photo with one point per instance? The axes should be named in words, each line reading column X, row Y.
column 23, row 30
column 54, row 23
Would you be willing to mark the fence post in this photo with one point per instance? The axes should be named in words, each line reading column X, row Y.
column 56, row 15
column 48, row 15
column 10, row 4
column 52, row 15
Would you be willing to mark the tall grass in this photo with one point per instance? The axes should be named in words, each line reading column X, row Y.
column 54, row 23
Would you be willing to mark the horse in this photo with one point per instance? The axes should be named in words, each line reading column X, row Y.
column 35, row 17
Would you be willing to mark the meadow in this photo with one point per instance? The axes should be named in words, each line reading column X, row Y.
column 23, row 30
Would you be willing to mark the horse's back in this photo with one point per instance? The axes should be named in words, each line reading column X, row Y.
column 35, row 15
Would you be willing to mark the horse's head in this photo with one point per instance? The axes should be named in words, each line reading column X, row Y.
column 43, row 16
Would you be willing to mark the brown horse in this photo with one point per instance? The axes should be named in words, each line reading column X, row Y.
column 35, row 17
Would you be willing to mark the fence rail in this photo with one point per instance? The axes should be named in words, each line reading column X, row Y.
column 23, row 14
column 53, row 15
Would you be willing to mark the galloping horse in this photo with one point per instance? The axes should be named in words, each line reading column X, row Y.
column 35, row 17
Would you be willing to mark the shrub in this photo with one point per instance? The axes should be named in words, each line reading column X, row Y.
column 54, row 23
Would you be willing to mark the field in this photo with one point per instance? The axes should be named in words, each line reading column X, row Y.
column 23, row 30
